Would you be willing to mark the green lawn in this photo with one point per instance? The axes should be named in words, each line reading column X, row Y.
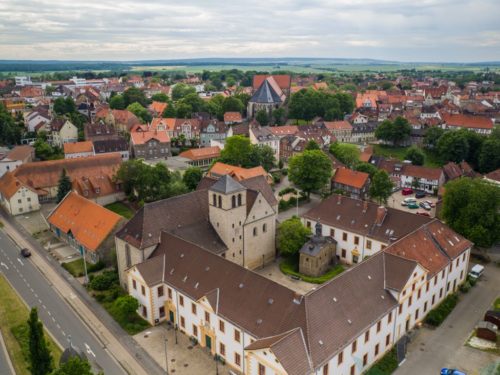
column 431, row 159
column 121, row 209
column 13, row 324
column 290, row 266
column 75, row 267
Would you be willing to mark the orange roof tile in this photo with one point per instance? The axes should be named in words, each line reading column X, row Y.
column 467, row 121
column 89, row 223
column 9, row 185
column 78, row 147
column 283, row 80
column 163, row 123
column 232, row 117
column 141, row 137
column 239, row 173
column 201, row 153
column 158, row 107
column 346, row 176
column 284, row 130
column 338, row 125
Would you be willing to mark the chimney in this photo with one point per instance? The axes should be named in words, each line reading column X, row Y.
column 381, row 212
column 365, row 206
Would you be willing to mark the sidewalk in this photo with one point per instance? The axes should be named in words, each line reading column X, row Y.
column 122, row 347
column 5, row 362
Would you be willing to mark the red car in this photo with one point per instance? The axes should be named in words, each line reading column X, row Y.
column 423, row 213
column 407, row 191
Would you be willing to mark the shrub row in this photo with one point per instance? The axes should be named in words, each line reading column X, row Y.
column 287, row 191
column 386, row 365
column 438, row 315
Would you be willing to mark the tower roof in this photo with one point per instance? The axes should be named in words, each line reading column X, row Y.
column 227, row 185
column 266, row 94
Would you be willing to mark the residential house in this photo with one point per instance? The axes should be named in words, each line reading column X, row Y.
column 318, row 254
column 235, row 220
column 86, row 227
column 422, row 178
column 37, row 119
column 231, row 118
column 112, row 145
column 260, row 327
column 478, row 124
column 12, row 159
column 453, row 170
column 121, row 119
column 92, row 177
column 157, row 108
column 361, row 228
column 354, row 183
column 493, row 177
column 78, row 149
column 201, row 157
column 63, row 131
column 212, row 130
column 341, row 130
column 263, row 136
column 17, row 197
column 150, row 144
column 99, row 131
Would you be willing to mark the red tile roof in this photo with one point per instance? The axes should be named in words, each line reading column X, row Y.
column 422, row 172
column 141, row 137
column 201, row 153
column 239, row 173
column 467, row 121
column 232, row 117
column 158, row 107
column 283, row 80
column 9, row 185
column 78, row 147
column 338, row 125
column 346, row 176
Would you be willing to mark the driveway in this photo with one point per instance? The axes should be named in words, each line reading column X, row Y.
column 431, row 350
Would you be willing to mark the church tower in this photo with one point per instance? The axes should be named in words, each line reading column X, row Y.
column 227, row 213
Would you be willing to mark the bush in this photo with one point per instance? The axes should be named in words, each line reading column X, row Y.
column 276, row 177
column 284, row 171
column 104, row 281
column 96, row 267
column 472, row 281
column 465, row 287
column 438, row 315
column 287, row 191
column 386, row 365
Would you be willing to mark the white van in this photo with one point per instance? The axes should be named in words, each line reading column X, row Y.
column 407, row 201
column 476, row 271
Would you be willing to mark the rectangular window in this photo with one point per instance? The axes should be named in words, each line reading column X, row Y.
column 161, row 311
column 143, row 290
column 193, row 308
column 425, row 307
column 341, row 357
column 441, row 293
column 195, row 331
column 344, row 236
column 368, row 244
column 442, row 275
column 410, row 300
column 222, row 349
column 427, row 287
column 237, row 335
column 353, row 370
column 134, row 284
column 169, row 293
column 400, row 309
column 365, row 360
column 183, row 322
column 419, row 293
column 222, row 326
column 433, row 299
column 356, row 240
column 354, row 346
column 389, row 318
column 237, row 359
column 435, row 280
column 160, row 291
column 181, row 300
column 387, row 340
column 367, row 336
column 325, row 369
column 416, row 314
column 207, row 316
column 379, row 325
column 332, row 232
column 376, row 349
column 262, row 369
column 344, row 253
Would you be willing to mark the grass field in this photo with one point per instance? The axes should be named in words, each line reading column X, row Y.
column 399, row 153
column 121, row 209
column 13, row 317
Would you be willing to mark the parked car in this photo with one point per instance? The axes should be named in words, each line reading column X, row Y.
column 412, row 205
column 423, row 213
column 476, row 271
column 430, row 203
column 425, row 206
column 25, row 253
column 420, row 194
column 407, row 191
column 450, row 371
column 407, row 201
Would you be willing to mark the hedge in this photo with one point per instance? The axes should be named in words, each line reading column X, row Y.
column 438, row 315
column 290, row 267
column 386, row 365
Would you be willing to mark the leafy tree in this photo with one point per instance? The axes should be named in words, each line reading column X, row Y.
column 64, row 105
column 170, row 111
column 261, row 155
column 180, row 90
column 381, row 187
column 395, row 131
column 40, row 359
column 117, row 102
column 64, row 186
column 307, row 104
column 346, row 153
column 472, row 208
column 135, row 95
column 160, row 97
column 279, row 116
column 10, row 130
column 215, row 106
column 125, row 306
column 367, row 168
column 453, row 146
column 262, row 118
column 232, row 104
column 184, row 110
column 432, row 136
column 197, row 104
column 310, row 170
column 292, row 235
column 141, row 112
column 312, row 145
column 74, row 366
column 475, row 142
column 416, row 155
column 192, row 177
column 236, row 151
column 489, row 157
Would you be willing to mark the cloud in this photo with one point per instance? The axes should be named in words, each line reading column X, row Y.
column 406, row 30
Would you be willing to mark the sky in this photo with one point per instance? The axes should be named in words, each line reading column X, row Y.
column 398, row 30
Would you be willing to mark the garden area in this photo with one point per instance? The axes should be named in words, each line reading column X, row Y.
column 13, row 324
column 430, row 159
column 290, row 266
column 77, row 269
column 121, row 209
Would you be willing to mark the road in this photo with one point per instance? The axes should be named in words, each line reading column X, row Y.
column 444, row 347
column 57, row 316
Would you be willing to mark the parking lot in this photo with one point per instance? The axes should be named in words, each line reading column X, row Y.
column 396, row 198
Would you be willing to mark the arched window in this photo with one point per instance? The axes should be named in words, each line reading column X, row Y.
column 255, row 231
column 214, row 200
column 264, row 228
column 239, row 199
column 220, row 201
column 233, row 201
